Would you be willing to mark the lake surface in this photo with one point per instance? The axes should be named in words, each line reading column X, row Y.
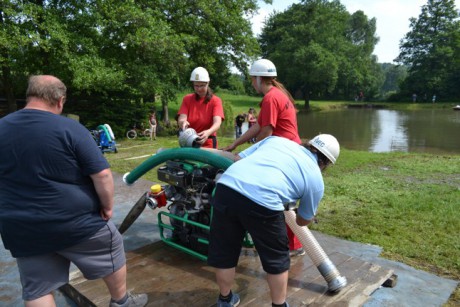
column 377, row 130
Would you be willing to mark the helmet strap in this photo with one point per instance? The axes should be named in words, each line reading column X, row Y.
column 321, row 159
column 259, row 83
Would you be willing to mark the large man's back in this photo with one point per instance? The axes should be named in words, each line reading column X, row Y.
column 47, row 199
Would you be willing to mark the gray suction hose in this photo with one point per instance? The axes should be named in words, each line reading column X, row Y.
column 320, row 259
column 335, row 281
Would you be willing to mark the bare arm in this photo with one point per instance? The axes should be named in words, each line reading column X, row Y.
column 301, row 221
column 182, row 122
column 265, row 132
column 103, row 183
column 223, row 153
column 251, row 133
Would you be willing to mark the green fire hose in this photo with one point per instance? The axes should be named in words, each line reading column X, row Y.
column 193, row 154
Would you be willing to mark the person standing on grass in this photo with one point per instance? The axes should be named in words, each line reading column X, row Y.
column 201, row 110
column 239, row 120
column 277, row 117
column 276, row 172
column 56, row 200
column 252, row 120
column 153, row 125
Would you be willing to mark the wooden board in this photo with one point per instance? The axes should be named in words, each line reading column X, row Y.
column 173, row 278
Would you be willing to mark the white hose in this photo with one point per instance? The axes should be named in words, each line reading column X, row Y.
column 316, row 253
column 109, row 129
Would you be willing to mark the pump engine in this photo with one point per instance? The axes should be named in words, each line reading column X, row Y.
column 188, row 190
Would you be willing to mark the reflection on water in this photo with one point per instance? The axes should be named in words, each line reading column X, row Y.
column 434, row 131
column 388, row 132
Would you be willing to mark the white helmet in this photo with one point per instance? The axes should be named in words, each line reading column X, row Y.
column 263, row 68
column 187, row 138
column 327, row 145
column 200, row 74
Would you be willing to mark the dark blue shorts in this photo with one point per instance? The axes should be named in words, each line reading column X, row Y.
column 233, row 215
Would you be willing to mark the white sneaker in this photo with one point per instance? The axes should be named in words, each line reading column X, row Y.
column 297, row 252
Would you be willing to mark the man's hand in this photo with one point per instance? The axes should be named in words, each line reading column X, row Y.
column 106, row 214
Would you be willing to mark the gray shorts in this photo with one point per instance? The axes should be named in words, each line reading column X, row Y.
column 99, row 256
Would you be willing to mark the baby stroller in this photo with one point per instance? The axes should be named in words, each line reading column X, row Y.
column 104, row 138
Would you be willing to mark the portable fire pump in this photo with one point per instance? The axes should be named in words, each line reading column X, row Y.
column 190, row 175
column 186, row 194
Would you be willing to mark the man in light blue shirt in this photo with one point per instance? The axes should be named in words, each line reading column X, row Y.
column 251, row 196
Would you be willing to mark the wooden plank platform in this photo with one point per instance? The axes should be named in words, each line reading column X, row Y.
column 173, row 278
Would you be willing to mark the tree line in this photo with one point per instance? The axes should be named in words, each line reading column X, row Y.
column 325, row 52
column 115, row 53
column 116, row 56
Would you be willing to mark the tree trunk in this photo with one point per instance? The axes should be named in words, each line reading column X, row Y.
column 8, row 89
column 166, row 121
column 307, row 103
column 306, row 97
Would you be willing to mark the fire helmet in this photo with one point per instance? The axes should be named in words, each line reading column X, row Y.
column 200, row 74
column 327, row 145
column 263, row 68
column 188, row 137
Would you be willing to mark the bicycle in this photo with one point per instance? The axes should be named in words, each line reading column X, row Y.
column 137, row 131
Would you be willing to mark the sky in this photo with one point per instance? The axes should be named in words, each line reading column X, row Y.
column 392, row 20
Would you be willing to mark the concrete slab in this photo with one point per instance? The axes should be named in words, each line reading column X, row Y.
column 414, row 287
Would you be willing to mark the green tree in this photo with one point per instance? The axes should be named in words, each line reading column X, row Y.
column 431, row 51
column 105, row 50
column 13, row 46
column 214, row 34
column 394, row 75
column 320, row 50
column 359, row 69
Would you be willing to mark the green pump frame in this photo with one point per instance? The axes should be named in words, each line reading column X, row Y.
column 183, row 154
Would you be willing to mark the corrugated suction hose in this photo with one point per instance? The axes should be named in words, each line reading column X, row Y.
column 320, row 259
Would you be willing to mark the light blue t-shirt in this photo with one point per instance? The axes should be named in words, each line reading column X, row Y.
column 276, row 171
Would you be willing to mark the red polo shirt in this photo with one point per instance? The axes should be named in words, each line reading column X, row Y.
column 200, row 114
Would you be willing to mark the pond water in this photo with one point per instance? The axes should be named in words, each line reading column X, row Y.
column 377, row 130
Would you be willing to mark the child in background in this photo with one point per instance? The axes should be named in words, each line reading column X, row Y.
column 252, row 119
column 153, row 125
